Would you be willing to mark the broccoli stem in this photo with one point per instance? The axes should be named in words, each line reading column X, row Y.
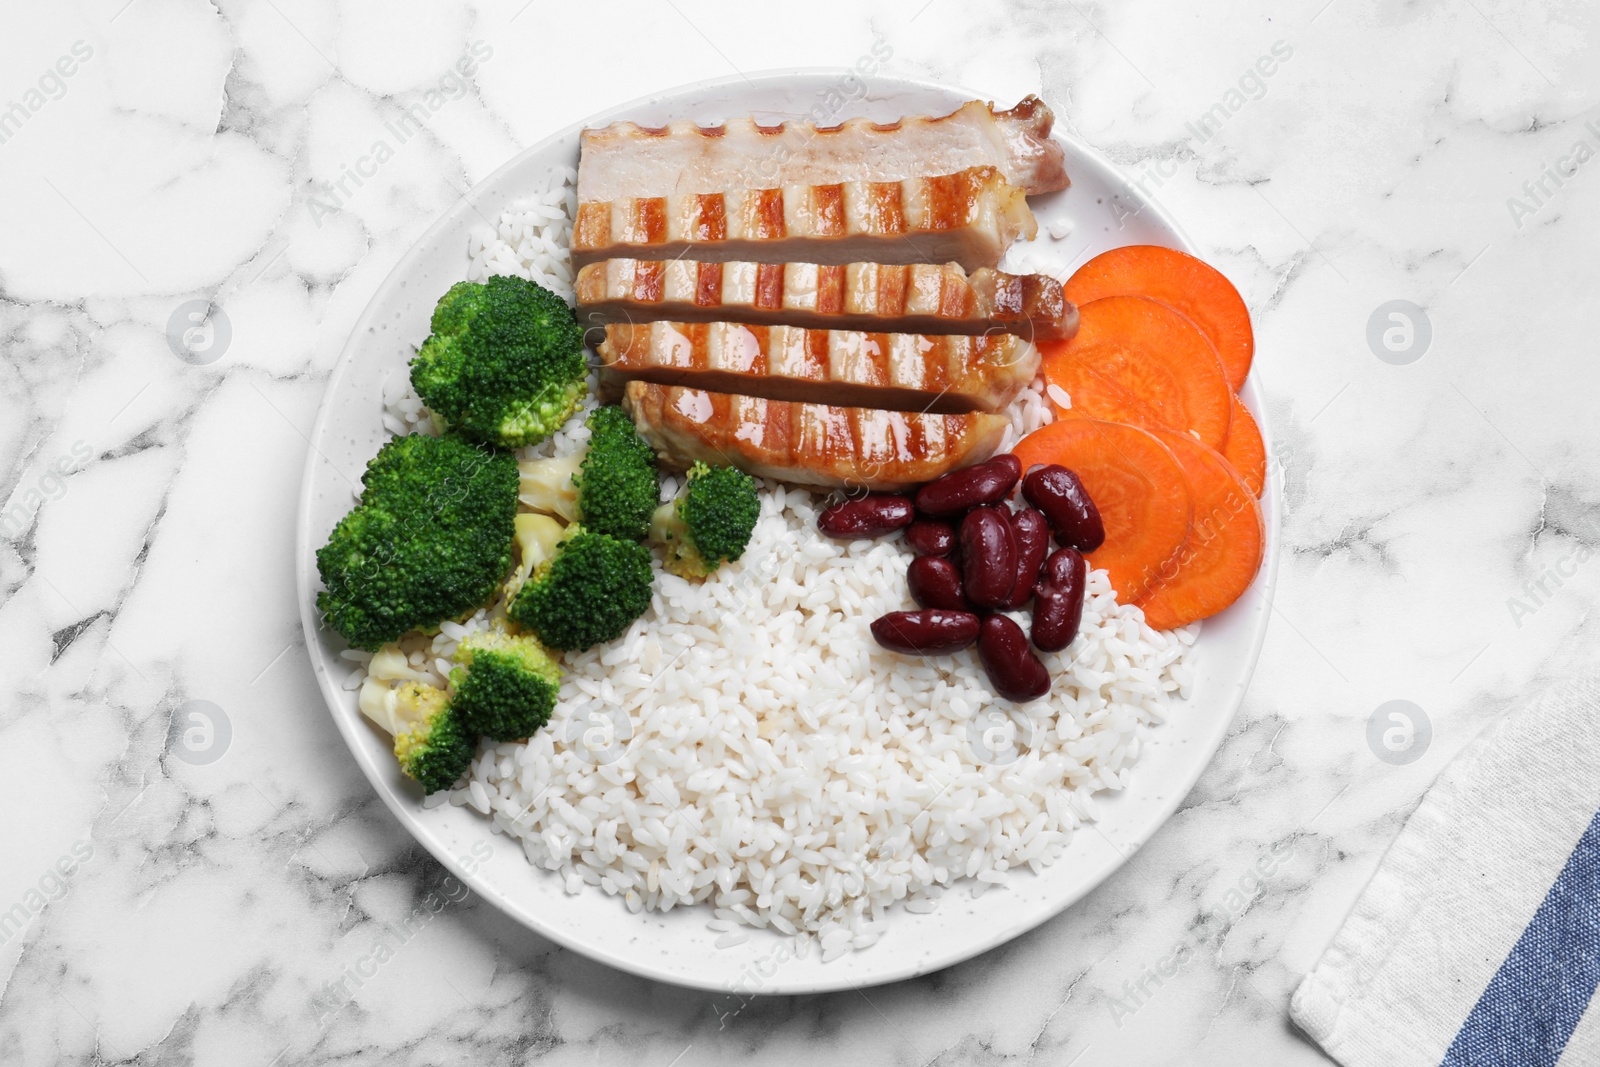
column 667, row 527
column 550, row 485
column 537, row 538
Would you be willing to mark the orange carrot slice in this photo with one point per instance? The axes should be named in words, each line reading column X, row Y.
column 1137, row 485
column 1226, row 543
column 1245, row 449
column 1194, row 287
column 1137, row 361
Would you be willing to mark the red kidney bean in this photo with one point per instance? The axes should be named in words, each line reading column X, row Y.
column 1060, row 494
column 988, row 556
column 1013, row 669
column 1063, row 569
column 868, row 516
column 936, row 583
column 1058, row 600
column 930, row 632
column 1032, row 531
column 970, row 487
column 930, row 537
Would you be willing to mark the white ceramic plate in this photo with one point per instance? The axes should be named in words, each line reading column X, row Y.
column 1105, row 211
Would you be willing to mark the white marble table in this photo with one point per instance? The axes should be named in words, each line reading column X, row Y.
column 1440, row 501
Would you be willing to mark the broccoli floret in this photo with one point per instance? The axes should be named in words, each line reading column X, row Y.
column 589, row 590
column 389, row 664
column 504, row 364
column 378, row 695
column 430, row 539
column 709, row 522
column 430, row 741
column 435, row 749
column 505, row 687
column 611, row 486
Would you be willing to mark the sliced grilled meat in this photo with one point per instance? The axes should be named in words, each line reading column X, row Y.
column 626, row 161
column 812, row 444
column 897, row 298
column 944, row 374
column 968, row 217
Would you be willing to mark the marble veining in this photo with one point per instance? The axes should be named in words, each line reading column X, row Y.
column 262, row 908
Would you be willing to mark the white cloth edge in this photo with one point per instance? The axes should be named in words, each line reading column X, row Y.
column 1393, row 896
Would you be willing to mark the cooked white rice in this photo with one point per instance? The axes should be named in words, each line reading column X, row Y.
column 747, row 744
column 533, row 237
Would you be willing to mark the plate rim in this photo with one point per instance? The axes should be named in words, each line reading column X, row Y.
column 405, row 810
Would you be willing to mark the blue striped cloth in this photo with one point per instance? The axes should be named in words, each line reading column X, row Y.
column 1477, row 942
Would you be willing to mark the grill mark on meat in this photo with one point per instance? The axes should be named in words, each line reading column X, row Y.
column 948, row 201
column 769, row 286
column 649, row 280
column 942, row 374
column 649, row 222
column 830, row 288
column 816, row 354
column 827, row 204
column 711, row 218
column 768, row 214
column 883, row 209
column 760, row 340
column 708, row 285
column 893, row 281
column 876, row 353
column 957, row 301
column 914, row 437
column 694, row 354
column 592, row 228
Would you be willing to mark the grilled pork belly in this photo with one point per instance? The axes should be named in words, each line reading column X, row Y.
column 625, row 161
column 812, row 444
column 968, row 217
column 943, row 373
column 901, row 298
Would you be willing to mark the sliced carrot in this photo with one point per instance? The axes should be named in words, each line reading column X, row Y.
column 1194, row 287
column 1137, row 361
column 1226, row 543
column 1245, row 449
column 1135, row 482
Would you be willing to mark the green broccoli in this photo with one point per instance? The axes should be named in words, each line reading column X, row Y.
column 505, row 687
column 585, row 588
column 611, row 486
column 430, row 539
column 504, row 364
column 709, row 522
column 430, row 741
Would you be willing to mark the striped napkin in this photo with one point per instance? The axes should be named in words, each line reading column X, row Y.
column 1477, row 942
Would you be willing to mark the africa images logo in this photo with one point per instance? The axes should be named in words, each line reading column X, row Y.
column 51, row 85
